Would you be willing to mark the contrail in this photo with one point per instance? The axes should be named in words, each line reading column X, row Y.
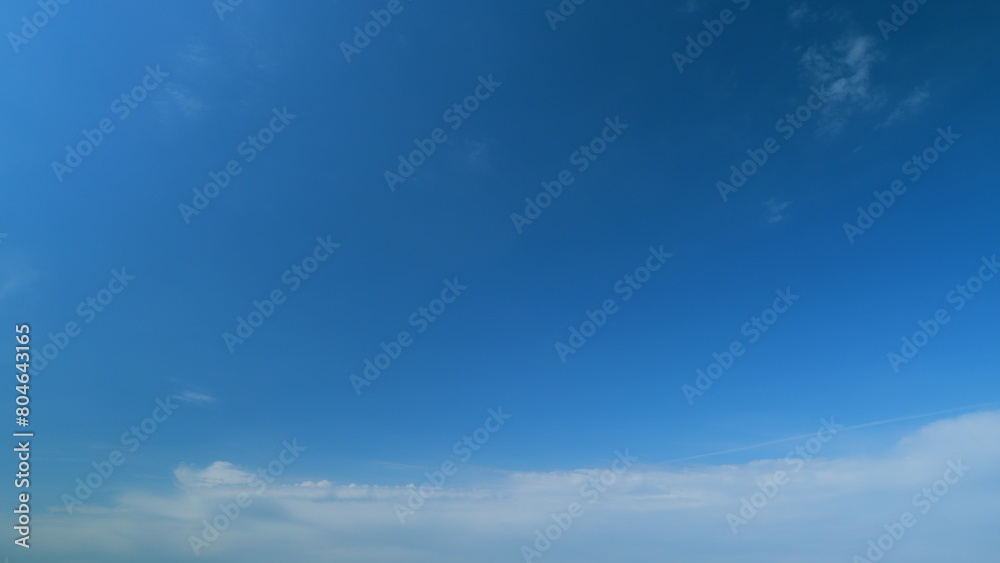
column 799, row 437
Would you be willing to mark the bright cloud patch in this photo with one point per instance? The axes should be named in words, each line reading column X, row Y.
column 820, row 510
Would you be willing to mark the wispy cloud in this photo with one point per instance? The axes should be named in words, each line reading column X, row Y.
column 181, row 101
column 478, row 159
column 217, row 474
column 195, row 53
column 844, row 70
column 799, row 14
column 642, row 513
column 194, row 397
column 15, row 273
column 913, row 104
column 776, row 210
column 691, row 6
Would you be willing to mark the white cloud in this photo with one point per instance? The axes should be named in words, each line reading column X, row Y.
column 195, row 53
column 13, row 283
column 15, row 273
column 844, row 71
column 324, row 483
column 913, row 104
column 691, row 6
column 478, row 159
column 216, row 474
column 182, row 101
column 798, row 14
column 775, row 210
column 195, row 398
column 825, row 513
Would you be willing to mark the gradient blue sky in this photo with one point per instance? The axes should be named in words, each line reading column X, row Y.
column 494, row 346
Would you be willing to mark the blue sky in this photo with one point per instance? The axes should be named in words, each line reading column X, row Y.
column 308, row 130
